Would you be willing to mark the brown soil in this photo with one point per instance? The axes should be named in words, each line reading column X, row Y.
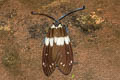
column 21, row 39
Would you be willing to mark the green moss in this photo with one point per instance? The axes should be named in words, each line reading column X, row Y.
column 11, row 59
column 88, row 23
column 73, row 76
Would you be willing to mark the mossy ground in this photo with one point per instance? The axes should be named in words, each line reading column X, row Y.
column 11, row 60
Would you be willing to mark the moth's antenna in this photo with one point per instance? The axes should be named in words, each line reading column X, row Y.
column 35, row 13
column 78, row 9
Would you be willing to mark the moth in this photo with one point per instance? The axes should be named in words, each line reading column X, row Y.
column 57, row 50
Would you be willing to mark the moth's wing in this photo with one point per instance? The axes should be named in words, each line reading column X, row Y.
column 47, row 61
column 65, row 57
column 65, row 61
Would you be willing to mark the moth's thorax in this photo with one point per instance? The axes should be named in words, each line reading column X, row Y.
column 56, row 31
column 56, row 27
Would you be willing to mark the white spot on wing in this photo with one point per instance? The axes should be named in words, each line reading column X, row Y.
column 71, row 61
column 67, row 52
column 63, row 65
column 51, row 41
column 59, row 26
column 67, row 39
column 62, row 41
column 46, row 41
column 53, row 26
column 44, row 64
column 58, row 41
column 46, row 54
column 55, row 39
column 52, row 64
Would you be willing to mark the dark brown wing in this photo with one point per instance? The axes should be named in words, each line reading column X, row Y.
column 47, row 62
column 65, row 61
column 60, row 55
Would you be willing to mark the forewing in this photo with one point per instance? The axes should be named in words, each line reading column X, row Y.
column 47, row 61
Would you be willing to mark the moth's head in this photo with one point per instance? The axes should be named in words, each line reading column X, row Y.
column 56, row 23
